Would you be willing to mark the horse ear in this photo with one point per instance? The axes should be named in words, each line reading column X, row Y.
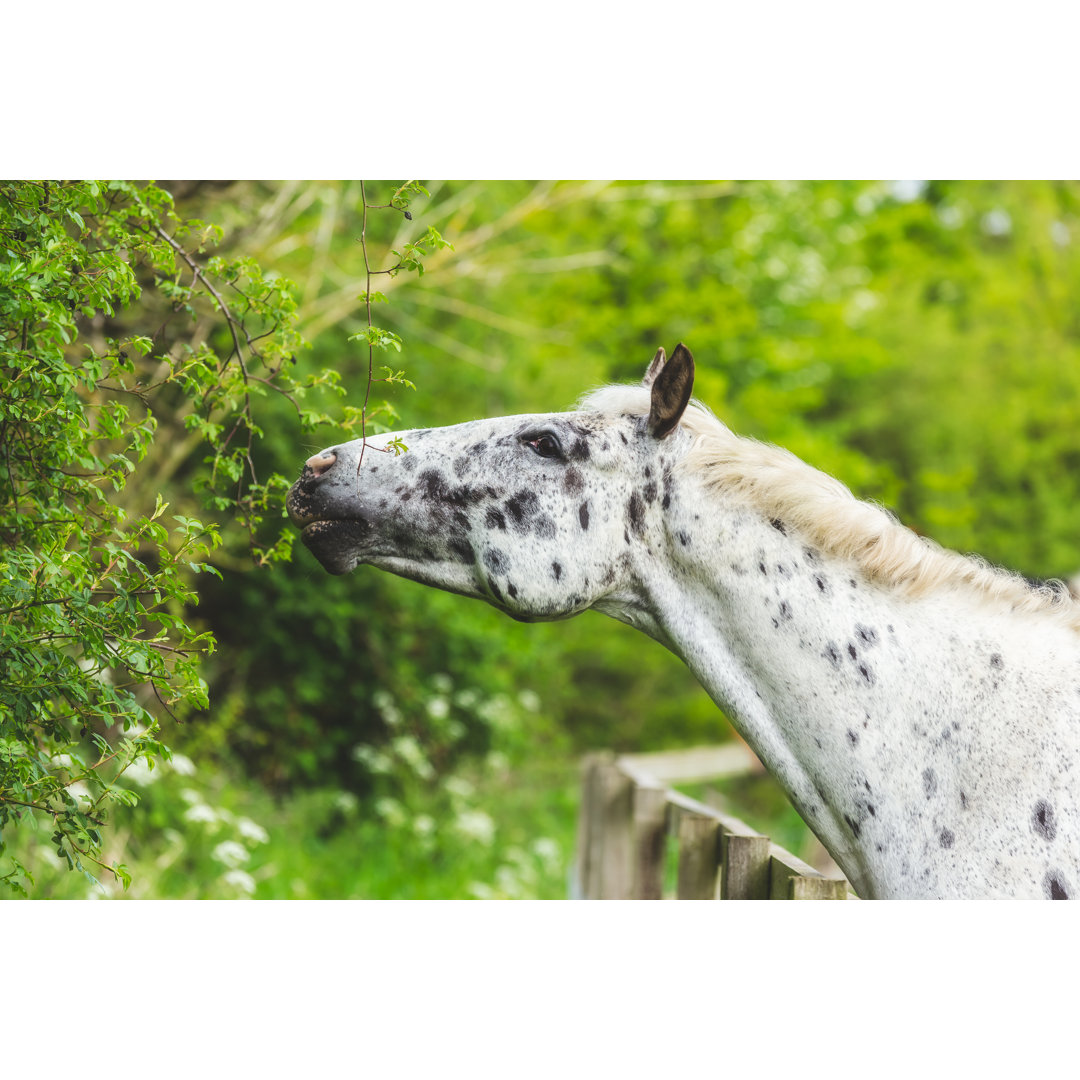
column 654, row 368
column 671, row 390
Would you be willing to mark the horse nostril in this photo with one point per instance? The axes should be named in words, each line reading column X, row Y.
column 320, row 463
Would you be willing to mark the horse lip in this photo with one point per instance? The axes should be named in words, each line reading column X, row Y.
column 336, row 542
column 299, row 505
column 302, row 504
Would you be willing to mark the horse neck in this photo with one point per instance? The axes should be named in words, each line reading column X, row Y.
column 839, row 685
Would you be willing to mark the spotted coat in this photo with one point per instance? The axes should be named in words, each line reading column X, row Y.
column 928, row 740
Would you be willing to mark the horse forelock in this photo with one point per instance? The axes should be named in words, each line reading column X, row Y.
column 829, row 517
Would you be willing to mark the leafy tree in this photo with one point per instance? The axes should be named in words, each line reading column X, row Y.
column 96, row 644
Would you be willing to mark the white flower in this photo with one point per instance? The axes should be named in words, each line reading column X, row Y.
column 346, row 802
column 390, row 810
column 182, row 765
column 410, row 751
column 438, row 708
column 374, row 759
column 476, row 825
column 442, row 682
column 240, row 879
column 907, row 190
column 530, row 701
column 507, row 882
column 62, row 761
column 140, row 772
column 546, row 849
column 190, row 796
column 497, row 761
column 459, row 786
column 467, row 699
column 230, row 853
column 382, row 701
column 952, row 217
column 1059, row 233
column 423, row 825
column 997, row 223
column 201, row 812
column 80, row 793
column 250, row 830
column 497, row 712
column 866, row 203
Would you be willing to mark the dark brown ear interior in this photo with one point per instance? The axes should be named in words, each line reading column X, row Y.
column 654, row 367
column 671, row 392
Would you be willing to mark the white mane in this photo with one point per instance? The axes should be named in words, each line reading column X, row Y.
column 829, row 517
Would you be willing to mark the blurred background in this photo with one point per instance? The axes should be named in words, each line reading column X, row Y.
column 369, row 737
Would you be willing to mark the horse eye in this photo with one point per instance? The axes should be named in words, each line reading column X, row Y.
column 547, row 446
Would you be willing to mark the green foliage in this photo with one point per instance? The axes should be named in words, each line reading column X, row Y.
column 917, row 340
column 95, row 641
column 198, row 833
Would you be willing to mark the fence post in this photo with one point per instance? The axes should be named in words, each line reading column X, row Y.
column 590, row 837
column 650, row 836
column 792, row 879
column 699, row 856
column 615, row 822
column 746, row 867
column 802, row 888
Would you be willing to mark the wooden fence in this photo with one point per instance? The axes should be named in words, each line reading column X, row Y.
column 629, row 817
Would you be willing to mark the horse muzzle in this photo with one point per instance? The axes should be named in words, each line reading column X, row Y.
column 325, row 505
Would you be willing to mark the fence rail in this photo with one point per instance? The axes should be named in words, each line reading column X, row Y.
column 629, row 817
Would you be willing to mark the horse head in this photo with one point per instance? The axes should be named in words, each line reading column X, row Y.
column 536, row 514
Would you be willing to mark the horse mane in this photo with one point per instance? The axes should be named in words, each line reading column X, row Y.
column 827, row 515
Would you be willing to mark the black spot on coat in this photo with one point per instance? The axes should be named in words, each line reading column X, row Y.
column 495, row 560
column 1055, row 885
column 462, row 549
column 1043, row 820
column 583, row 515
column 929, row 782
column 522, row 506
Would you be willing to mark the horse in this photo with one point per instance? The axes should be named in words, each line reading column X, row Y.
column 920, row 708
